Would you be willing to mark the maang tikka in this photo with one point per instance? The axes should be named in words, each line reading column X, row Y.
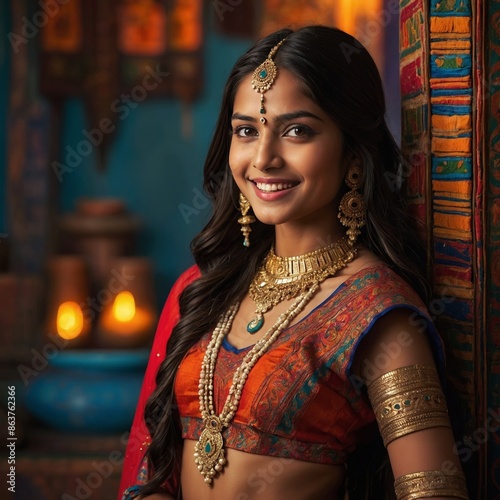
column 352, row 206
column 245, row 220
column 264, row 76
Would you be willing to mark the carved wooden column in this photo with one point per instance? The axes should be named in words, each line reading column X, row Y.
column 451, row 126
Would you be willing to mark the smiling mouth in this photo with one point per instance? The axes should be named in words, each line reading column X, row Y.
column 266, row 187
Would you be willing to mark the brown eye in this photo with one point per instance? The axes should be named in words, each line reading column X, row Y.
column 245, row 132
column 299, row 131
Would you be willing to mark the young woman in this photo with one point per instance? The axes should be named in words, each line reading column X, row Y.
column 279, row 353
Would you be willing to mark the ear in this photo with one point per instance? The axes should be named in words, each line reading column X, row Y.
column 352, row 157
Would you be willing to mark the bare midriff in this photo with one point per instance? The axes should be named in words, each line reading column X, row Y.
column 247, row 477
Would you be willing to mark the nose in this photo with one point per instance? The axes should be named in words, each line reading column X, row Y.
column 267, row 155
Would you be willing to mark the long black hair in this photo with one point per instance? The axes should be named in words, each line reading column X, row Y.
column 336, row 72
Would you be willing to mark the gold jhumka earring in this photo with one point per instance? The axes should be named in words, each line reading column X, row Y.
column 264, row 76
column 245, row 220
column 352, row 207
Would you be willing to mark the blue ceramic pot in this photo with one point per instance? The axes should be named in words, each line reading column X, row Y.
column 88, row 391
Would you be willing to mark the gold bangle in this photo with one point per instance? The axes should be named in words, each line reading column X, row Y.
column 407, row 400
column 432, row 483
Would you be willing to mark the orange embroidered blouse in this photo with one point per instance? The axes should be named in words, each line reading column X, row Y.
column 300, row 400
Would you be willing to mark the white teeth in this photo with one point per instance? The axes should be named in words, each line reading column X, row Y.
column 273, row 187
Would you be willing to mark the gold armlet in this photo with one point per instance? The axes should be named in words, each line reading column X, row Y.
column 407, row 400
column 432, row 483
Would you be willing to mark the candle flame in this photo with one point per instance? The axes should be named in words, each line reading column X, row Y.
column 124, row 307
column 69, row 320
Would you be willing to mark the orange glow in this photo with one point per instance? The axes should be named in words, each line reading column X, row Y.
column 124, row 307
column 69, row 320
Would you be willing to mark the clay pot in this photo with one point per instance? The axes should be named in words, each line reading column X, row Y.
column 100, row 230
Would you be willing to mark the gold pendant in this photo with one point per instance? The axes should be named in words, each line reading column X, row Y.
column 209, row 450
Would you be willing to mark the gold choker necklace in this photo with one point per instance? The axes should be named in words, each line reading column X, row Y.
column 283, row 278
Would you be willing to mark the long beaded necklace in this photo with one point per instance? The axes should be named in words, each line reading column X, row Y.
column 209, row 450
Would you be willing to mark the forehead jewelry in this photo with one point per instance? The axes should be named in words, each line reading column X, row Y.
column 264, row 76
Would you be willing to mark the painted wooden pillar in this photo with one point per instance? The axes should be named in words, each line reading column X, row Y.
column 450, row 86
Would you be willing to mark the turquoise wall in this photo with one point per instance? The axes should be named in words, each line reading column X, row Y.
column 152, row 167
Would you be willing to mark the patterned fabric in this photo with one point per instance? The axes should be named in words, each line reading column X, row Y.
column 300, row 400
column 414, row 103
column 452, row 182
column 454, row 192
column 141, row 478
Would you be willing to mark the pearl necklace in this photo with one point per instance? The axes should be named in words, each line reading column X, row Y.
column 209, row 450
column 283, row 278
column 288, row 277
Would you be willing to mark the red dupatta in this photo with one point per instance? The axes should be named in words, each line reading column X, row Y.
column 139, row 438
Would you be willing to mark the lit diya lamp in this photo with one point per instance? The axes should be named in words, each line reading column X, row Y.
column 68, row 289
column 130, row 316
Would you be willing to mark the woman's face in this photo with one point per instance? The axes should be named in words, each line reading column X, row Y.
column 291, row 168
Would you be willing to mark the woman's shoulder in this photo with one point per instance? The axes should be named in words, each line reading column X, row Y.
column 369, row 275
column 364, row 263
column 365, row 259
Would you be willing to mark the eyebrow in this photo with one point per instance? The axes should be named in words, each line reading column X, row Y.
column 286, row 117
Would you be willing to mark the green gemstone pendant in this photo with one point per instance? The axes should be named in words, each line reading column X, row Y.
column 209, row 450
column 256, row 324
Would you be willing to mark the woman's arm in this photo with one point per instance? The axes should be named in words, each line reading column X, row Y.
column 405, row 393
